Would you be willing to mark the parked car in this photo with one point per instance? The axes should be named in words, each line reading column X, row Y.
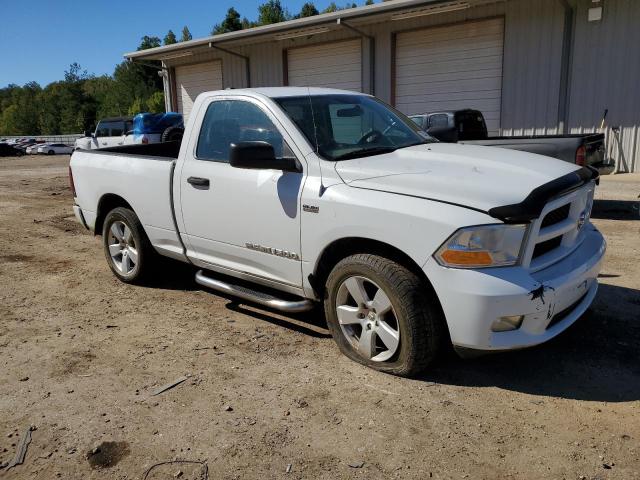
column 469, row 127
column 33, row 149
column 55, row 148
column 294, row 197
column 7, row 150
column 142, row 129
column 25, row 143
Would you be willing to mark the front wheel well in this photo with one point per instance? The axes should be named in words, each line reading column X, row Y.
column 107, row 203
column 346, row 247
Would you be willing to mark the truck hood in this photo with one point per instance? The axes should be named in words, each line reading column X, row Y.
column 477, row 177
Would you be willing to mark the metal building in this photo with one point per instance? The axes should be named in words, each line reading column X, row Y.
column 531, row 66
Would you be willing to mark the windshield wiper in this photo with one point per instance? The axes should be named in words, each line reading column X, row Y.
column 365, row 152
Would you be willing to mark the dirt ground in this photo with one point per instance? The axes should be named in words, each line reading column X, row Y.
column 270, row 396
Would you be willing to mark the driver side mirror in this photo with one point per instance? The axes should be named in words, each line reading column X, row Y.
column 260, row 155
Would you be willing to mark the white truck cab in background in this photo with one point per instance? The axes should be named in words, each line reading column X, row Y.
column 294, row 197
column 109, row 132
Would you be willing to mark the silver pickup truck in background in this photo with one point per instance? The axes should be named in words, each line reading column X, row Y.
column 468, row 126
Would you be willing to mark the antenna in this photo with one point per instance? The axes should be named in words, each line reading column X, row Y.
column 315, row 135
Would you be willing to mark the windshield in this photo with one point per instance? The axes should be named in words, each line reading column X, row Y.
column 346, row 126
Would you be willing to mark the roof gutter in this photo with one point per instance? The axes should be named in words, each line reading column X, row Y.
column 326, row 18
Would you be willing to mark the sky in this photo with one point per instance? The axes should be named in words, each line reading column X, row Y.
column 39, row 39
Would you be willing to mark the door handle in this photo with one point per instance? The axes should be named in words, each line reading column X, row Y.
column 198, row 182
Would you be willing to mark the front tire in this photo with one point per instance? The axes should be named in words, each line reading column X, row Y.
column 383, row 315
column 126, row 246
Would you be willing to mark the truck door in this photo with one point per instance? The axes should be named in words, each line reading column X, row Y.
column 242, row 220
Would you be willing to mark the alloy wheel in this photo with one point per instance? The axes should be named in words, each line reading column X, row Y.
column 367, row 318
column 122, row 247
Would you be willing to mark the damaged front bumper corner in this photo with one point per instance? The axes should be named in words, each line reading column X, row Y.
column 550, row 300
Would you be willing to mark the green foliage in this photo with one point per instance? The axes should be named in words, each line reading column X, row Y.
column 369, row 2
column 155, row 103
column 308, row 10
column 186, row 35
column 77, row 102
column 149, row 42
column 272, row 11
column 231, row 23
column 246, row 23
column 170, row 38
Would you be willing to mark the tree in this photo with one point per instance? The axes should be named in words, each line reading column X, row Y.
column 332, row 7
column 186, row 35
column 272, row 11
column 170, row 38
column 246, row 23
column 155, row 103
column 231, row 23
column 148, row 42
column 75, row 73
column 369, row 2
column 308, row 10
column 136, row 107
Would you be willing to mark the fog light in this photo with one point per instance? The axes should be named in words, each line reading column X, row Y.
column 504, row 324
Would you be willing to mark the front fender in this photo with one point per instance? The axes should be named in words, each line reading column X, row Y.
column 415, row 226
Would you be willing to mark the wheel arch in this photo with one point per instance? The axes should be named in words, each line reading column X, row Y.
column 108, row 202
column 344, row 247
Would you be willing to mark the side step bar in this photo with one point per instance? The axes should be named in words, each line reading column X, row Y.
column 254, row 296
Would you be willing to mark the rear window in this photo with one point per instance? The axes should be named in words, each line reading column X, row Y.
column 110, row 129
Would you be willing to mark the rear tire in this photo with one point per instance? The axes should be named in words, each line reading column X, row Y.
column 126, row 246
column 395, row 326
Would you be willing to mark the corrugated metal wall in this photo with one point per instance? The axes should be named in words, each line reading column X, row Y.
column 532, row 65
column 606, row 74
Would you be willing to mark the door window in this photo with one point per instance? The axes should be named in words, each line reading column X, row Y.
column 234, row 121
column 103, row 129
column 438, row 121
column 117, row 129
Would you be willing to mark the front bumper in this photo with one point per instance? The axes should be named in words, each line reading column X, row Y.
column 550, row 299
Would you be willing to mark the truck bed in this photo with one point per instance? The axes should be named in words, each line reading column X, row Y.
column 139, row 174
column 563, row 147
column 168, row 150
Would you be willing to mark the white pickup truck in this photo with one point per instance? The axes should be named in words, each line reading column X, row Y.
column 292, row 197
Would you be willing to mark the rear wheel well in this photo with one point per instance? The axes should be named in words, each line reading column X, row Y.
column 346, row 247
column 107, row 203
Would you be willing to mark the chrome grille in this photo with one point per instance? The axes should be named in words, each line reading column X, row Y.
column 560, row 228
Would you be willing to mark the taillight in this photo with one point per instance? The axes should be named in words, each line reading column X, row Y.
column 71, row 185
column 581, row 155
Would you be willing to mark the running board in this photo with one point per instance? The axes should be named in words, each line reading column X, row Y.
column 254, row 296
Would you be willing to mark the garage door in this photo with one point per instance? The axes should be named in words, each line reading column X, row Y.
column 192, row 80
column 332, row 65
column 452, row 67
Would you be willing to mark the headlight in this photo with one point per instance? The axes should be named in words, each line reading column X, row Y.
column 482, row 246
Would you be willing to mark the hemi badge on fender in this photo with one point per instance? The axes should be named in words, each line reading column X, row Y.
column 310, row 208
